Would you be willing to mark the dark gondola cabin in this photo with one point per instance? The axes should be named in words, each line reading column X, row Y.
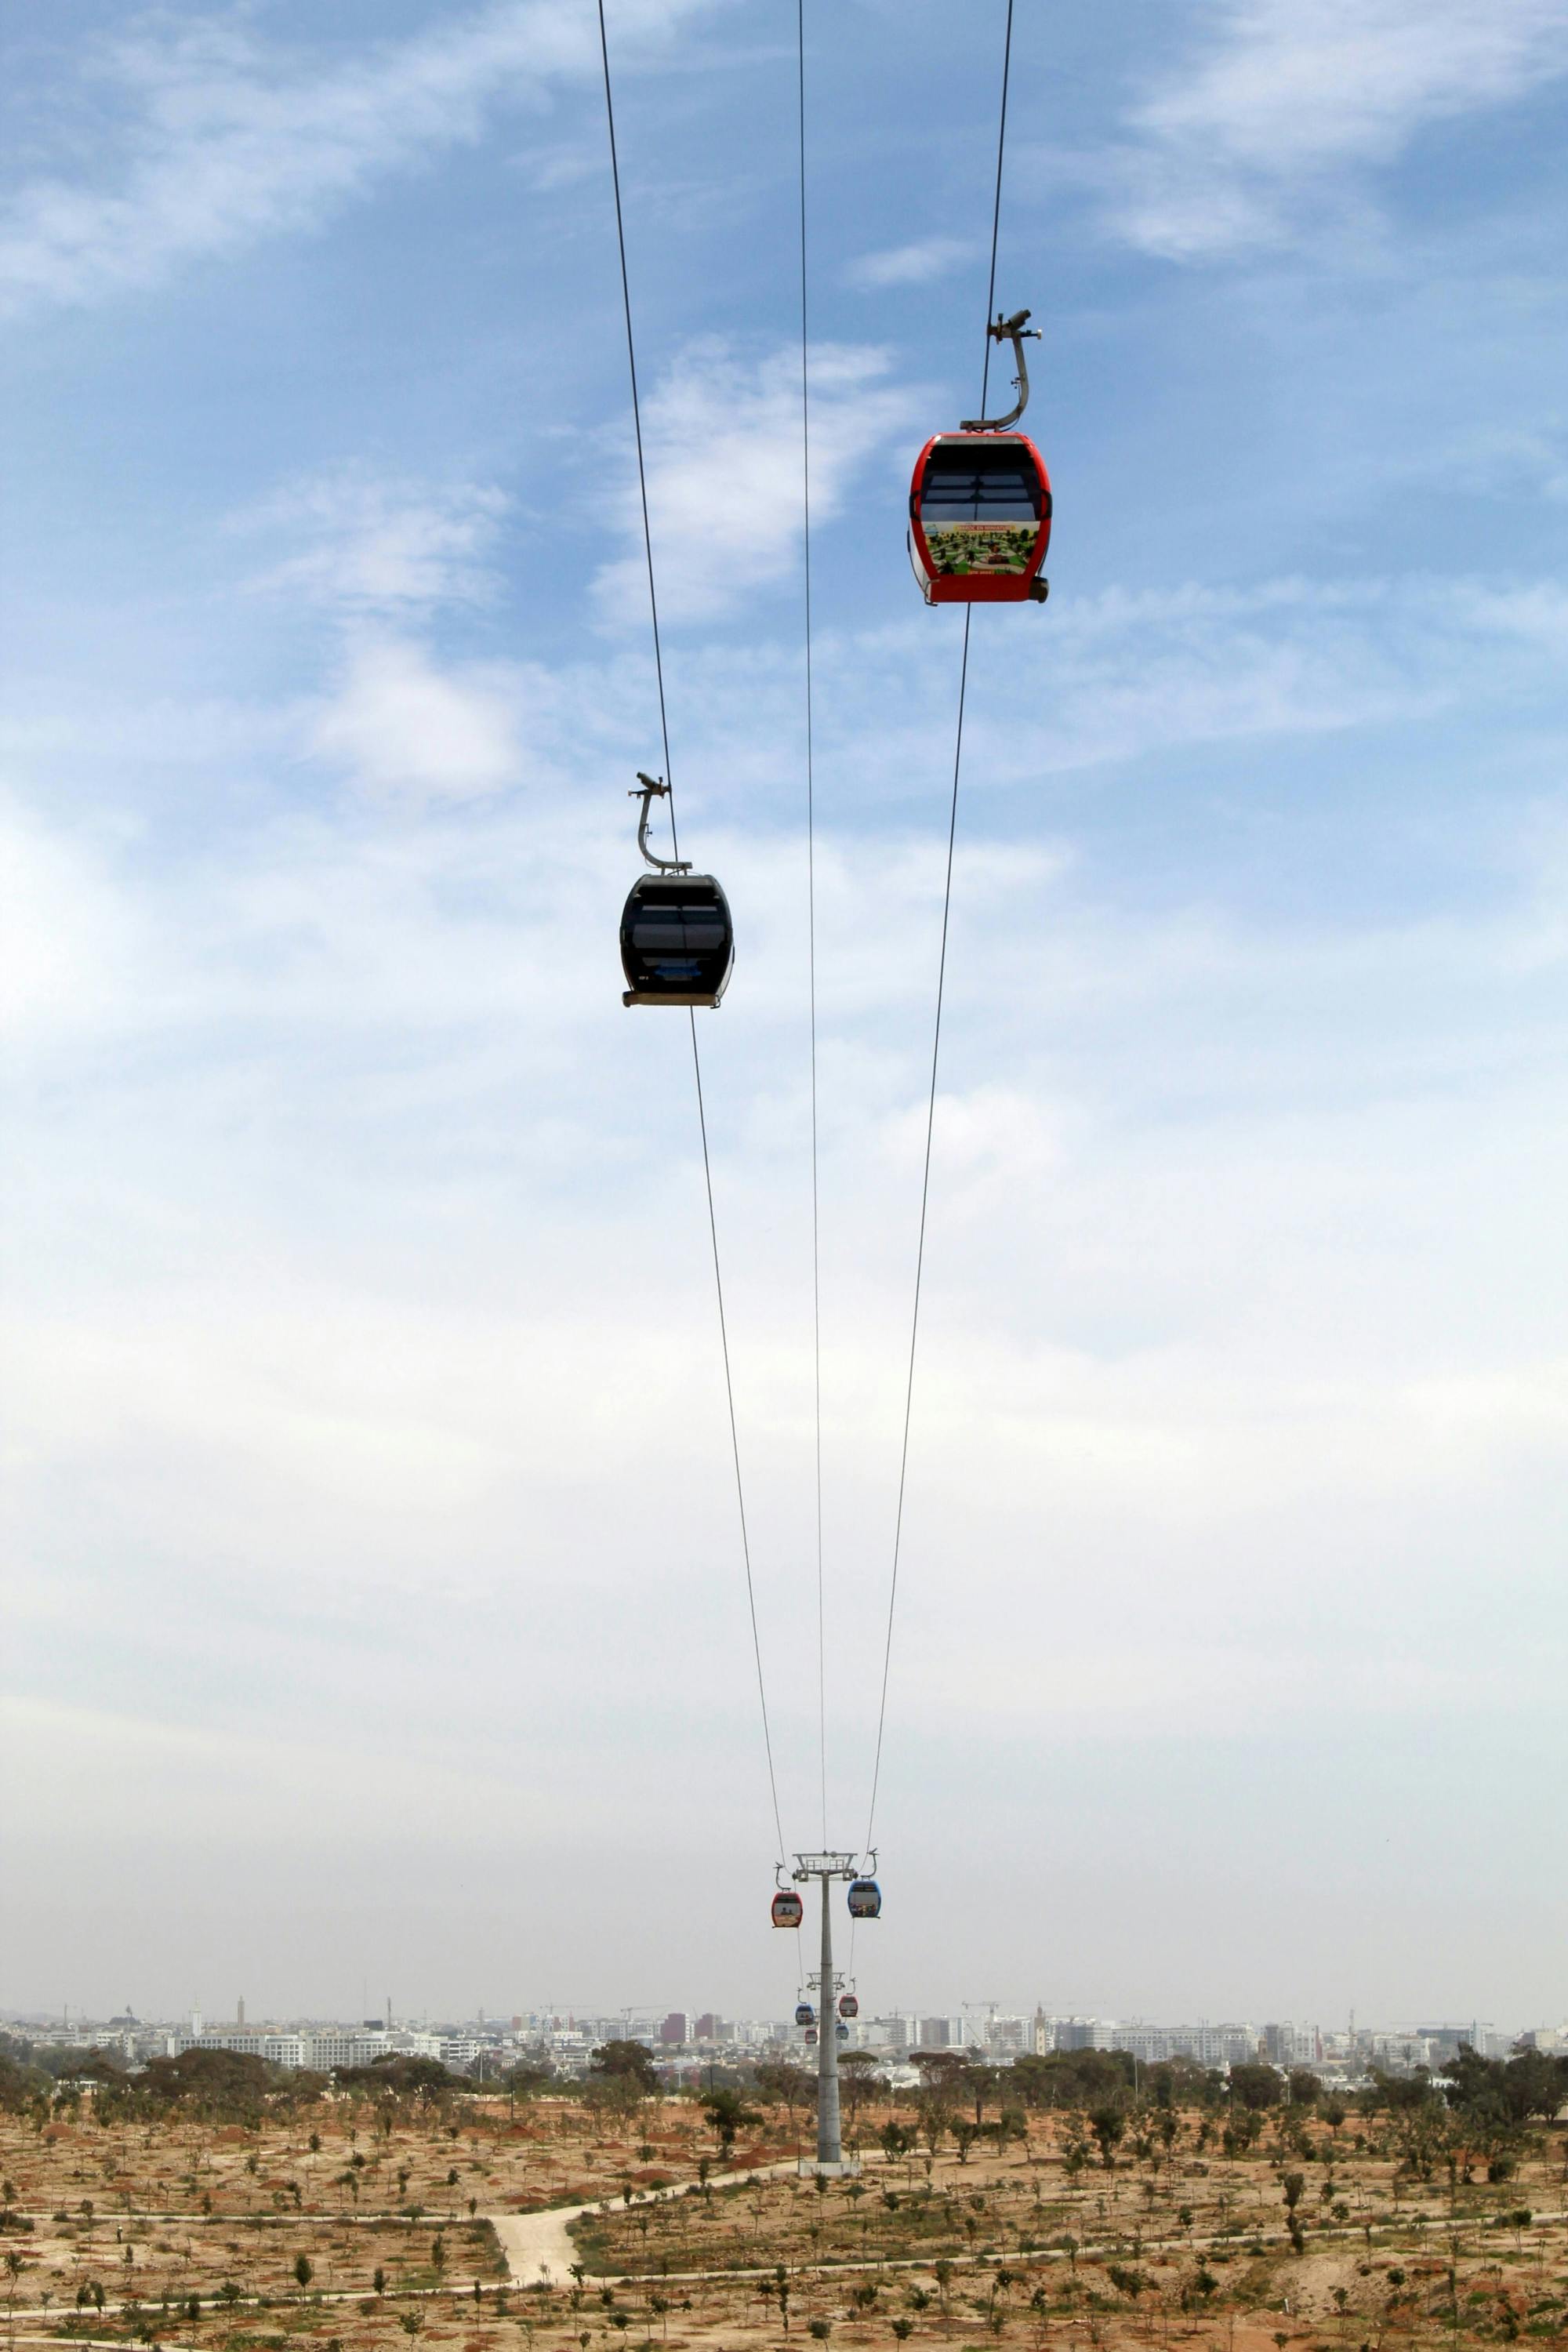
column 865, row 1899
column 803, row 2014
column 678, row 945
column 848, row 2006
column 810, row 2037
column 788, row 1908
column 980, row 519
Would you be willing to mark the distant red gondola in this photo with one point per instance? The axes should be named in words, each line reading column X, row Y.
column 848, row 2006
column 787, row 1908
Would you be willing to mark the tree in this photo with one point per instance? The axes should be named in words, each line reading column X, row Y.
column 223, row 2086
column 1256, row 2087
column 1108, row 2124
column 1072, row 2078
column 981, row 2083
column 303, row 2270
column 786, row 2084
column 858, row 2079
column 424, row 2080
column 942, row 2073
column 88, row 2066
column 1530, row 2084
column 521, row 2082
column 1398, row 2093
column 728, row 2114
column 1180, row 2082
column 630, row 2061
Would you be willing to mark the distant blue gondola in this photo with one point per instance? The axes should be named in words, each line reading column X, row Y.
column 865, row 1899
column 803, row 2014
column 842, row 2031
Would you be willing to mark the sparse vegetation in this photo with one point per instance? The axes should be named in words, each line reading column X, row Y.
column 1058, row 2199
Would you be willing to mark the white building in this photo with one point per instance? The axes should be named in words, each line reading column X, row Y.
column 1293, row 2045
column 321, row 2051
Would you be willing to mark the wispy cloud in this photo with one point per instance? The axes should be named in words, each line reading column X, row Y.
column 375, row 545
column 909, row 265
column 722, row 437
column 1290, row 95
column 401, row 724
column 226, row 140
column 1293, row 657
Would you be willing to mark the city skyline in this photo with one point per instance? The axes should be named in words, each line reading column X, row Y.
column 993, row 2026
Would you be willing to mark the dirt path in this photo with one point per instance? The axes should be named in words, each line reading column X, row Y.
column 538, row 2250
column 848, row 2264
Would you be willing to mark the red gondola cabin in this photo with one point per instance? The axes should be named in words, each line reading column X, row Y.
column 788, row 1908
column 980, row 520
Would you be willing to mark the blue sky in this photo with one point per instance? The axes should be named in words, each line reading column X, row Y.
column 375, row 1587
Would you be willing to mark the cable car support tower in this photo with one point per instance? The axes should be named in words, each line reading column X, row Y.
column 825, row 1868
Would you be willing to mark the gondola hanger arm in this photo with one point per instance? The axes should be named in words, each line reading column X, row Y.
column 648, row 790
column 1012, row 331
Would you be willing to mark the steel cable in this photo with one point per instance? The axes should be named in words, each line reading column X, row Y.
column 811, row 938
column 941, row 986
column 696, row 1056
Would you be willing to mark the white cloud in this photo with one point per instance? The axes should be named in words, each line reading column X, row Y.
column 909, row 265
column 232, row 141
column 373, row 545
column 402, row 725
column 722, row 440
column 1121, row 675
column 1290, row 95
column 1242, row 1312
column 68, row 931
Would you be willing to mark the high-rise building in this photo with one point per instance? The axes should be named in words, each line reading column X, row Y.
column 676, row 2028
column 1292, row 2046
column 1085, row 2033
column 941, row 2033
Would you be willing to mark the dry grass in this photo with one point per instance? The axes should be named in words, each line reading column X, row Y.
column 1030, row 2247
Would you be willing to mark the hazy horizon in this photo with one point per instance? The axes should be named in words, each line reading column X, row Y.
column 215, row 2019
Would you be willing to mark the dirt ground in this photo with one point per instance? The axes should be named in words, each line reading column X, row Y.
column 345, row 2226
